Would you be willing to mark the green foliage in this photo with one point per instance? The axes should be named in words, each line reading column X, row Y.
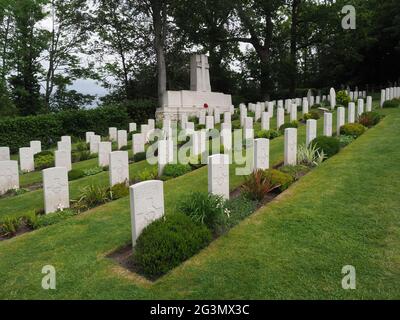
column 293, row 124
column 369, row 119
column 295, row 171
column 203, row 208
column 91, row 196
column 239, row 208
column 92, row 171
column 345, row 140
column 81, row 146
column 9, row 226
column 313, row 114
column 119, row 191
column 51, row 218
column 343, row 98
column 19, row 131
column 148, row 174
column 329, row 145
column 279, row 178
column 75, row 174
column 268, row 134
column 167, row 242
column 310, row 156
column 352, row 129
column 394, row 103
column 176, row 170
column 258, row 184
column 140, row 156
column 139, row 110
column 44, row 161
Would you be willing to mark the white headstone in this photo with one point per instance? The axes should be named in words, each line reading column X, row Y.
column 189, row 128
column 94, row 143
column 311, row 130
column 64, row 145
column 248, row 128
column 36, row 146
column 26, row 159
column 271, row 109
column 280, row 117
column 328, row 124
column 261, row 154
column 305, row 107
column 67, row 139
column 202, row 117
column 9, row 176
column 351, row 116
column 227, row 117
column 63, row 159
column 4, row 153
column 144, row 129
column 360, row 107
column 165, row 154
column 218, row 175
column 369, row 104
column 88, row 135
column 293, row 112
column 138, row 143
column 209, row 122
column 152, row 124
column 132, row 127
column 332, row 94
column 290, row 154
column 119, row 167
column 112, row 133
column 105, row 148
column 340, row 118
column 265, row 121
column 55, row 189
column 217, row 116
column 226, row 136
column 257, row 114
column 147, row 205
column 122, row 139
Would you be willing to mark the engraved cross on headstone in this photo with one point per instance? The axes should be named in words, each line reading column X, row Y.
column 200, row 73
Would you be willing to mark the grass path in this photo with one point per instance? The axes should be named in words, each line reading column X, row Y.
column 344, row 212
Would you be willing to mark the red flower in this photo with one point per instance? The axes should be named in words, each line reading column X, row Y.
column 205, row 105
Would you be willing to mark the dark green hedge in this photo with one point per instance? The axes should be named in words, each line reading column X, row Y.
column 18, row 132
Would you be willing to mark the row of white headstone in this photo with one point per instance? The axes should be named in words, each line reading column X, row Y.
column 389, row 94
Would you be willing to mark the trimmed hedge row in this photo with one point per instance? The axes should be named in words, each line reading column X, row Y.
column 48, row 128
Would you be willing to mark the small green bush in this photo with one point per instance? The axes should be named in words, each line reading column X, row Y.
column 140, row 156
column 267, row 134
column 92, row 196
column 391, row 104
column 293, row 124
column 200, row 126
column 316, row 106
column 119, row 191
column 369, row 119
column 203, row 208
column 147, row 174
column 50, row 219
column 166, row 243
column 84, row 155
column 176, row 170
column 283, row 180
column 9, row 226
column 92, row 171
column 81, row 146
column 44, row 161
column 75, row 174
column 345, row 140
column 329, row 145
column 258, row 184
column 43, row 154
column 343, row 98
column 295, row 171
column 313, row 114
column 352, row 129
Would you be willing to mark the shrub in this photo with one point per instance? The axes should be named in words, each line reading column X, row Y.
column 148, row 174
column 75, row 174
column 313, row 114
column 43, row 154
column 92, row 171
column 50, row 219
column 391, row 103
column 343, row 98
column 119, row 191
column 140, row 156
column 352, row 129
column 295, row 171
column 369, row 119
column 203, row 208
column 279, row 178
column 316, row 106
column 258, row 184
column 293, row 124
column 200, row 126
column 345, row 140
column 84, row 155
column 168, row 242
column 9, row 226
column 176, row 170
column 92, row 196
column 81, row 146
column 310, row 156
column 329, row 145
column 19, row 131
column 239, row 208
column 44, row 161
column 268, row 134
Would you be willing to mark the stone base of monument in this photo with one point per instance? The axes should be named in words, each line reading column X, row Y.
column 176, row 103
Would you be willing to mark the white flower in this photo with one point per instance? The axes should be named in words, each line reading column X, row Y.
column 60, row 207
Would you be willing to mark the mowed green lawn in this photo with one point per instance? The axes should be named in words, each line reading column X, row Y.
column 346, row 212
